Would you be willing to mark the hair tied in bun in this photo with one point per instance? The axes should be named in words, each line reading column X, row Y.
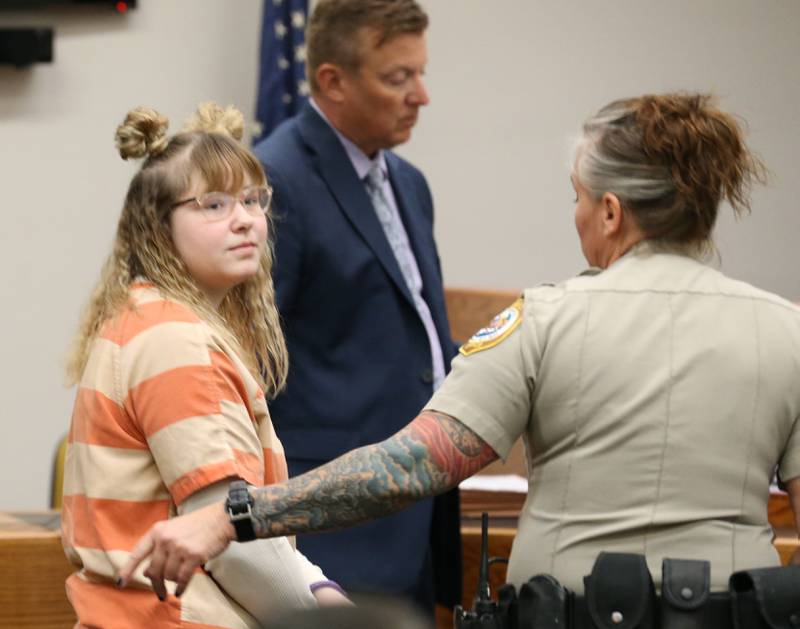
column 211, row 118
column 143, row 132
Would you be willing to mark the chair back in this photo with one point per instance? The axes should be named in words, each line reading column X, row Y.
column 57, row 477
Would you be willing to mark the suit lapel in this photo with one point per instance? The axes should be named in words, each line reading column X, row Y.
column 333, row 164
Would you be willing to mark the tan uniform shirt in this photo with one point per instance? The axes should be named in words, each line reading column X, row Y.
column 655, row 400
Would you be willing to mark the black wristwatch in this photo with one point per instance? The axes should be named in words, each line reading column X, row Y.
column 240, row 509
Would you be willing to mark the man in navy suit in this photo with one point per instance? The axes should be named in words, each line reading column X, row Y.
column 359, row 285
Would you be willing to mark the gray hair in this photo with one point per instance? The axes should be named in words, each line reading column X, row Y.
column 609, row 157
column 619, row 166
column 670, row 159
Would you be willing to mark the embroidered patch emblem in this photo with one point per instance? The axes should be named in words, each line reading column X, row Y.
column 498, row 329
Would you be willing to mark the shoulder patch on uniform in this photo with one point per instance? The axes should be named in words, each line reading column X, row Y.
column 497, row 330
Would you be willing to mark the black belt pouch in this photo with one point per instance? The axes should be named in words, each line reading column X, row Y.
column 686, row 601
column 542, row 603
column 766, row 598
column 507, row 602
column 619, row 594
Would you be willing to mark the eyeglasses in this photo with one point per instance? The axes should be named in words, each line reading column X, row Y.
column 217, row 206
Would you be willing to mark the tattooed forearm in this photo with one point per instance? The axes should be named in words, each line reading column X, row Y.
column 429, row 456
column 454, row 449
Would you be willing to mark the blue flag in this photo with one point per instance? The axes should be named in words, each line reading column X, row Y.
column 282, row 87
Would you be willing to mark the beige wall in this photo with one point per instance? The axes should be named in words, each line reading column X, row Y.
column 63, row 184
column 510, row 80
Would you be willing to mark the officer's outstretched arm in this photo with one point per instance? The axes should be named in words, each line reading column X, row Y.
column 429, row 456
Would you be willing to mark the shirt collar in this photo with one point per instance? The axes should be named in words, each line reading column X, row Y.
column 361, row 162
column 650, row 246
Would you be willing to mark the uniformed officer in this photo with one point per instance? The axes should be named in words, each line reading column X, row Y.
column 655, row 395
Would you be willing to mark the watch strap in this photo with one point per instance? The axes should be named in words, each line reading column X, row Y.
column 240, row 510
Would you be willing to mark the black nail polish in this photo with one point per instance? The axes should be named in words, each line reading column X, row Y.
column 118, row 582
column 161, row 597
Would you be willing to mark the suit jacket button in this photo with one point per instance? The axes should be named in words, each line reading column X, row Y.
column 427, row 376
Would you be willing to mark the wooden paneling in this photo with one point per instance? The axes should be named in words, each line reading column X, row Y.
column 33, row 569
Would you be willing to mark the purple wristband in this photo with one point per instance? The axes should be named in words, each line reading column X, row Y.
column 317, row 585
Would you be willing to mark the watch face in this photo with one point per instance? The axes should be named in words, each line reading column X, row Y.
column 239, row 498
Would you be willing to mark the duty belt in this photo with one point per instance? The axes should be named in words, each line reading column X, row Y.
column 619, row 594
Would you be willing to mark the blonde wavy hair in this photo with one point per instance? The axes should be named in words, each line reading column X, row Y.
column 208, row 148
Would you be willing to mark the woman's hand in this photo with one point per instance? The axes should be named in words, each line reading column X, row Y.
column 179, row 545
column 330, row 596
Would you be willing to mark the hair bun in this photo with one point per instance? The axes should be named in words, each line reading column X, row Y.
column 701, row 145
column 143, row 132
column 211, row 118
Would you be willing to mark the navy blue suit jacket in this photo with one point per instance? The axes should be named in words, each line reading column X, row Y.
column 360, row 360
